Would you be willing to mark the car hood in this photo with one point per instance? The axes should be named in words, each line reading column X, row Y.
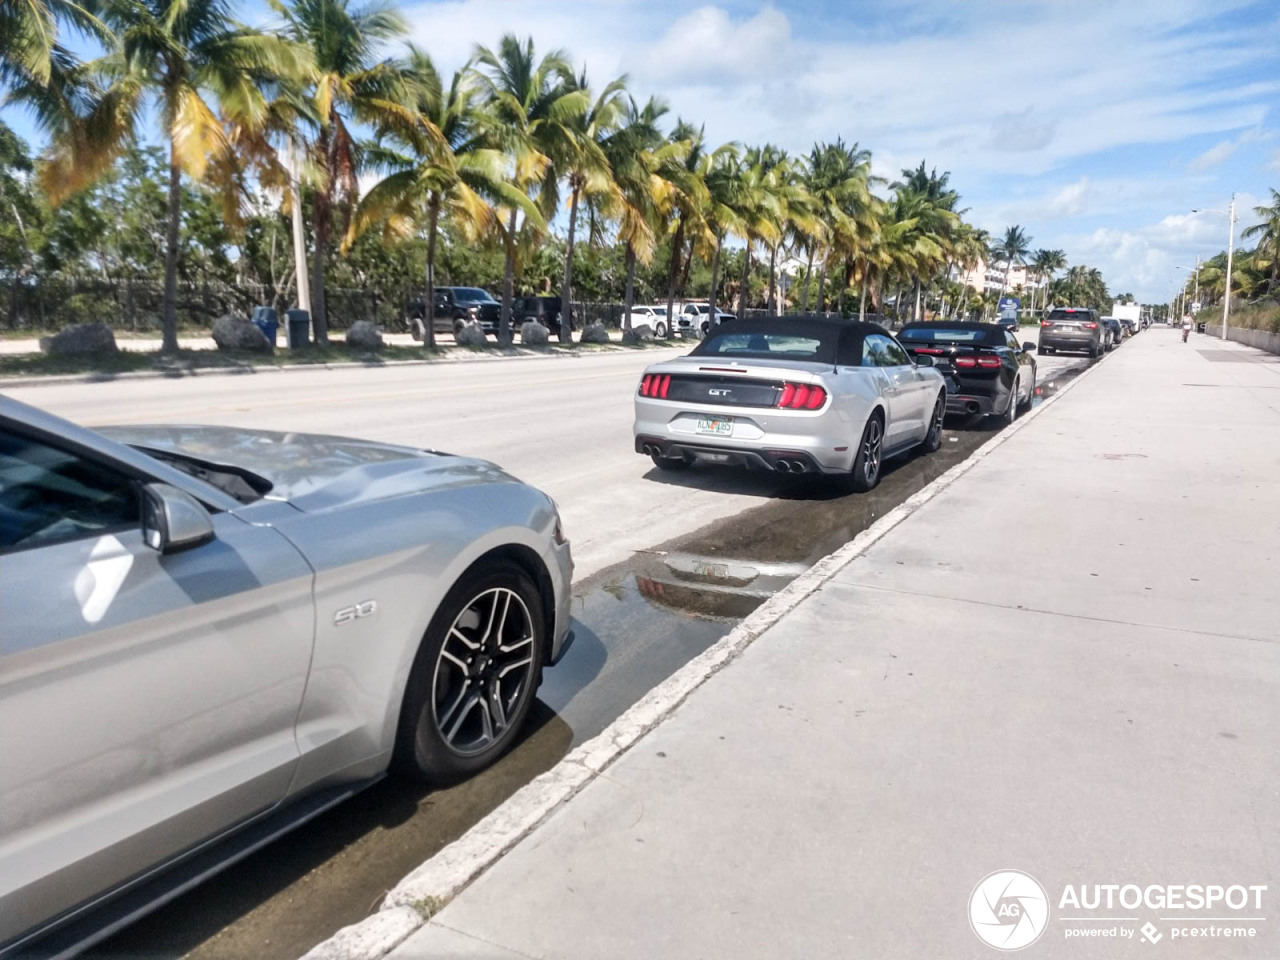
column 313, row 471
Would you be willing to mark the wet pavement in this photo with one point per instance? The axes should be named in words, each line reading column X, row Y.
column 636, row 624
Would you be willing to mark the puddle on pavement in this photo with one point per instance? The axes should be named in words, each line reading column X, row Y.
column 635, row 625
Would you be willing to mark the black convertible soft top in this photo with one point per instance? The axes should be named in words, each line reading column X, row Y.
column 812, row 339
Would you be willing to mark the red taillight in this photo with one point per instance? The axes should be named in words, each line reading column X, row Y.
column 1046, row 323
column 1089, row 326
column 984, row 363
column 655, row 385
column 802, row 396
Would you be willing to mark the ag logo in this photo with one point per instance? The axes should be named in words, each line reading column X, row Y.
column 1008, row 910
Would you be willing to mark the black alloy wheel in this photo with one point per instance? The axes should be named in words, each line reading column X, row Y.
column 866, row 463
column 933, row 439
column 474, row 678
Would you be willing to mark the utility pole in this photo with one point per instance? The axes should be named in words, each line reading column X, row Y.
column 1231, row 242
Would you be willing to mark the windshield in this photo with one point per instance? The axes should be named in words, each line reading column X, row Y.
column 950, row 335
column 471, row 295
column 818, row 348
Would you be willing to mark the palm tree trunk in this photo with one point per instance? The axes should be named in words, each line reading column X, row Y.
column 169, row 315
column 323, row 229
column 822, row 280
column 677, row 245
column 566, row 290
column 683, row 285
column 862, row 302
column 715, row 270
column 915, row 309
column 628, row 297
column 746, row 279
column 508, row 284
column 773, row 274
column 433, row 216
column 808, row 271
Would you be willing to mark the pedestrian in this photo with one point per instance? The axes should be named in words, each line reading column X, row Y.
column 1186, row 326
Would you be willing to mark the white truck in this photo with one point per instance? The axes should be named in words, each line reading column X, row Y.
column 1129, row 314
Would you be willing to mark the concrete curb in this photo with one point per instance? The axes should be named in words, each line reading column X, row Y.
column 430, row 887
column 35, row 380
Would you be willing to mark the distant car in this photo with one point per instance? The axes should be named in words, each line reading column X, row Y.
column 655, row 316
column 987, row 371
column 1115, row 332
column 545, row 310
column 694, row 319
column 461, row 304
column 210, row 634
column 1071, row 328
column 791, row 394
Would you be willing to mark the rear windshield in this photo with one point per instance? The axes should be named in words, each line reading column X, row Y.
column 820, row 348
column 471, row 293
column 994, row 336
column 1068, row 314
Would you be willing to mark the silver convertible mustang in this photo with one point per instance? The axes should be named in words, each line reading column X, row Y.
column 208, row 635
column 797, row 395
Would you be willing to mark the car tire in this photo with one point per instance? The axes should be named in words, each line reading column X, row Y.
column 933, row 439
column 660, row 330
column 434, row 742
column 1025, row 405
column 670, row 463
column 1010, row 413
column 868, row 461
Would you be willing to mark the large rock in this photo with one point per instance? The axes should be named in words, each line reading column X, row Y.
column 231, row 332
column 642, row 332
column 364, row 335
column 470, row 334
column 534, row 334
column 81, row 338
column 595, row 333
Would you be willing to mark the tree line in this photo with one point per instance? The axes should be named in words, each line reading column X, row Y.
column 401, row 173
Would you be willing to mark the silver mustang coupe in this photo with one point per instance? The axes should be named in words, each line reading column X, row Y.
column 792, row 394
column 208, row 635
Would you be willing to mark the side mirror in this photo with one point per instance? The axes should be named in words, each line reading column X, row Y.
column 173, row 520
column 1028, row 346
column 924, row 360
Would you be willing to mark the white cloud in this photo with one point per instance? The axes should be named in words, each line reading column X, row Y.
column 1071, row 200
column 1215, row 156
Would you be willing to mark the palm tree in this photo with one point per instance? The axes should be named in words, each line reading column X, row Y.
column 1047, row 263
column 1013, row 247
column 722, row 175
column 1268, row 234
column 530, row 101
column 186, row 59
column 583, row 162
column 437, row 161
column 839, row 180
column 685, row 201
column 350, row 86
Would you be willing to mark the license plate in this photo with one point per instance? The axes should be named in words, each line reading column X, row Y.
column 716, row 426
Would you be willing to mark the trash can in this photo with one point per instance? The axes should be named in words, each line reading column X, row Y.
column 299, row 329
column 1199, row 328
column 268, row 321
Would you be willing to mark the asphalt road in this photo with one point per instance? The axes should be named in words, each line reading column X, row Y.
column 666, row 565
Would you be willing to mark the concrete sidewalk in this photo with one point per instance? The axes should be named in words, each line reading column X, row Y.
column 1066, row 664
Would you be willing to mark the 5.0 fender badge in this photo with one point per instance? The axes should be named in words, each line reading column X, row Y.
column 358, row 611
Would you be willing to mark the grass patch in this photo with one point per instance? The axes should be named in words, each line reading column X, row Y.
column 1251, row 316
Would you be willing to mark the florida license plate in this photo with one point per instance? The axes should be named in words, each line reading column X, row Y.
column 716, row 426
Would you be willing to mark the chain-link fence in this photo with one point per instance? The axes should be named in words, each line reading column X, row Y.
column 137, row 305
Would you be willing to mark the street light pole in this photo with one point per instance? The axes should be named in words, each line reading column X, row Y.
column 1231, row 241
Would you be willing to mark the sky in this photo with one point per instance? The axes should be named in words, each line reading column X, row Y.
column 1096, row 125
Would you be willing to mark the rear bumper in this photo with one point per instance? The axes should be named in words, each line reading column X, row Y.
column 734, row 456
column 969, row 404
column 1070, row 343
